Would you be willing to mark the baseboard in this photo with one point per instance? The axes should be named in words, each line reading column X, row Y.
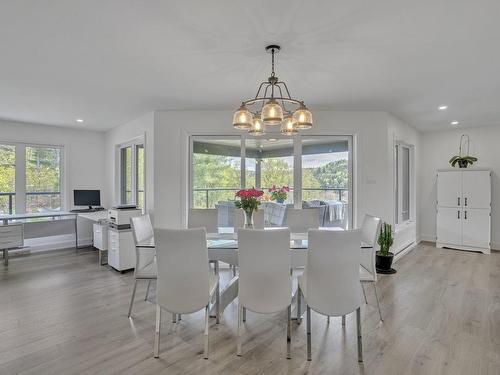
column 405, row 251
column 427, row 238
column 54, row 243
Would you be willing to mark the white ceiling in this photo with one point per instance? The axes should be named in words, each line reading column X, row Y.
column 110, row 61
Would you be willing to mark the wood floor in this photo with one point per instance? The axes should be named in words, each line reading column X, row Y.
column 60, row 313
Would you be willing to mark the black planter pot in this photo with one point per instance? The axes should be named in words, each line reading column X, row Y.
column 383, row 263
column 462, row 163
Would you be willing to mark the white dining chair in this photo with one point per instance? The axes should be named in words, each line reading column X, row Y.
column 265, row 284
column 367, row 271
column 204, row 218
column 301, row 220
column 145, row 260
column 330, row 283
column 184, row 284
column 239, row 219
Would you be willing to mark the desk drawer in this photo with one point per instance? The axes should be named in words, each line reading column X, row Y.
column 11, row 236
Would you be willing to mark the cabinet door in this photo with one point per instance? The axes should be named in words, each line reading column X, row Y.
column 476, row 189
column 476, row 228
column 449, row 226
column 449, row 189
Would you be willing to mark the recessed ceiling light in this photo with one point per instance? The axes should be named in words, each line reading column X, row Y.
column 79, row 120
column 455, row 123
column 443, row 107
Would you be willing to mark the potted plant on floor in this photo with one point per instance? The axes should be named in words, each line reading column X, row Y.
column 384, row 257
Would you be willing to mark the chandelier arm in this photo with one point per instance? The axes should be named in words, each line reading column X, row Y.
column 286, row 88
column 260, row 87
column 281, row 95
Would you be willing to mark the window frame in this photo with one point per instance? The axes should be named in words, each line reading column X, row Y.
column 297, row 162
column 133, row 144
column 398, row 184
column 20, row 173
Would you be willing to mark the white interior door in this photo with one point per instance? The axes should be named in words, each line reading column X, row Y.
column 449, row 189
column 476, row 228
column 449, row 226
column 476, row 189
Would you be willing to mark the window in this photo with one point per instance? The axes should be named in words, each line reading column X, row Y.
column 403, row 178
column 132, row 173
column 271, row 163
column 317, row 169
column 326, row 177
column 215, row 170
column 7, row 179
column 43, row 178
column 38, row 186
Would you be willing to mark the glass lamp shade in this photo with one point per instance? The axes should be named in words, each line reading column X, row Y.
column 272, row 113
column 288, row 126
column 258, row 127
column 242, row 118
column 303, row 118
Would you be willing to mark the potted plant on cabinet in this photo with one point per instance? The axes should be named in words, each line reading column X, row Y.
column 463, row 160
column 384, row 257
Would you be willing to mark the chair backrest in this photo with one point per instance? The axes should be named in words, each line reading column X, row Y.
column 264, row 263
column 332, row 271
column 301, row 220
column 142, row 230
column 183, row 271
column 204, row 218
column 239, row 219
column 369, row 233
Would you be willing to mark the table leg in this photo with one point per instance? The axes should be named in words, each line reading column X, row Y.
column 299, row 306
column 76, row 233
column 228, row 295
column 6, row 257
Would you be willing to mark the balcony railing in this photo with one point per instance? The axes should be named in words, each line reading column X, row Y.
column 208, row 197
column 11, row 202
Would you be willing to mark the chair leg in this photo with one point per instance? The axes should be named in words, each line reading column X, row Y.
column 217, row 295
column 378, row 303
column 364, row 294
column 308, row 323
column 343, row 320
column 157, row 332
column 234, row 270
column 147, row 291
column 244, row 315
column 299, row 304
column 328, row 319
column 360, row 341
column 132, row 299
column 238, row 338
column 205, row 334
column 289, row 332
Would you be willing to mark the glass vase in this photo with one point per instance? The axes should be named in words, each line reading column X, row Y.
column 248, row 219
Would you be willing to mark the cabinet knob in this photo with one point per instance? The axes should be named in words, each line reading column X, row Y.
column 458, row 199
column 465, row 202
column 458, row 214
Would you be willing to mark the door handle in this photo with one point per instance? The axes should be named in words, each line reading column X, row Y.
column 465, row 201
column 458, row 199
column 465, row 215
column 458, row 214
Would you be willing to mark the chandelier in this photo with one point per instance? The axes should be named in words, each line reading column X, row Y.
column 272, row 106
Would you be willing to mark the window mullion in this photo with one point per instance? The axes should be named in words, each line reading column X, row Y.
column 20, row 178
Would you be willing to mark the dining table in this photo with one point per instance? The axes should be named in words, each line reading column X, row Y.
column 223, row 247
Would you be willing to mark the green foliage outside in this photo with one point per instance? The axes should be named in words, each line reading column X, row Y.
column 223, row 172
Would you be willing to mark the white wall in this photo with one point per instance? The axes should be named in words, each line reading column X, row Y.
column 436, row 149
column 143, row 126
column 373, row 173
column 83, row 166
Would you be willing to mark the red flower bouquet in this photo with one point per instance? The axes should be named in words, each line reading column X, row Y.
column 249, row 199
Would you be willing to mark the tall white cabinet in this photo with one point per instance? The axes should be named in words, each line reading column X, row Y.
column 464, row 210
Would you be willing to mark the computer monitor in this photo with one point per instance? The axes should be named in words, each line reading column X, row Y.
column 87, row 198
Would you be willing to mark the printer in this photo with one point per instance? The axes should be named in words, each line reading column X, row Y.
column 119, row 217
